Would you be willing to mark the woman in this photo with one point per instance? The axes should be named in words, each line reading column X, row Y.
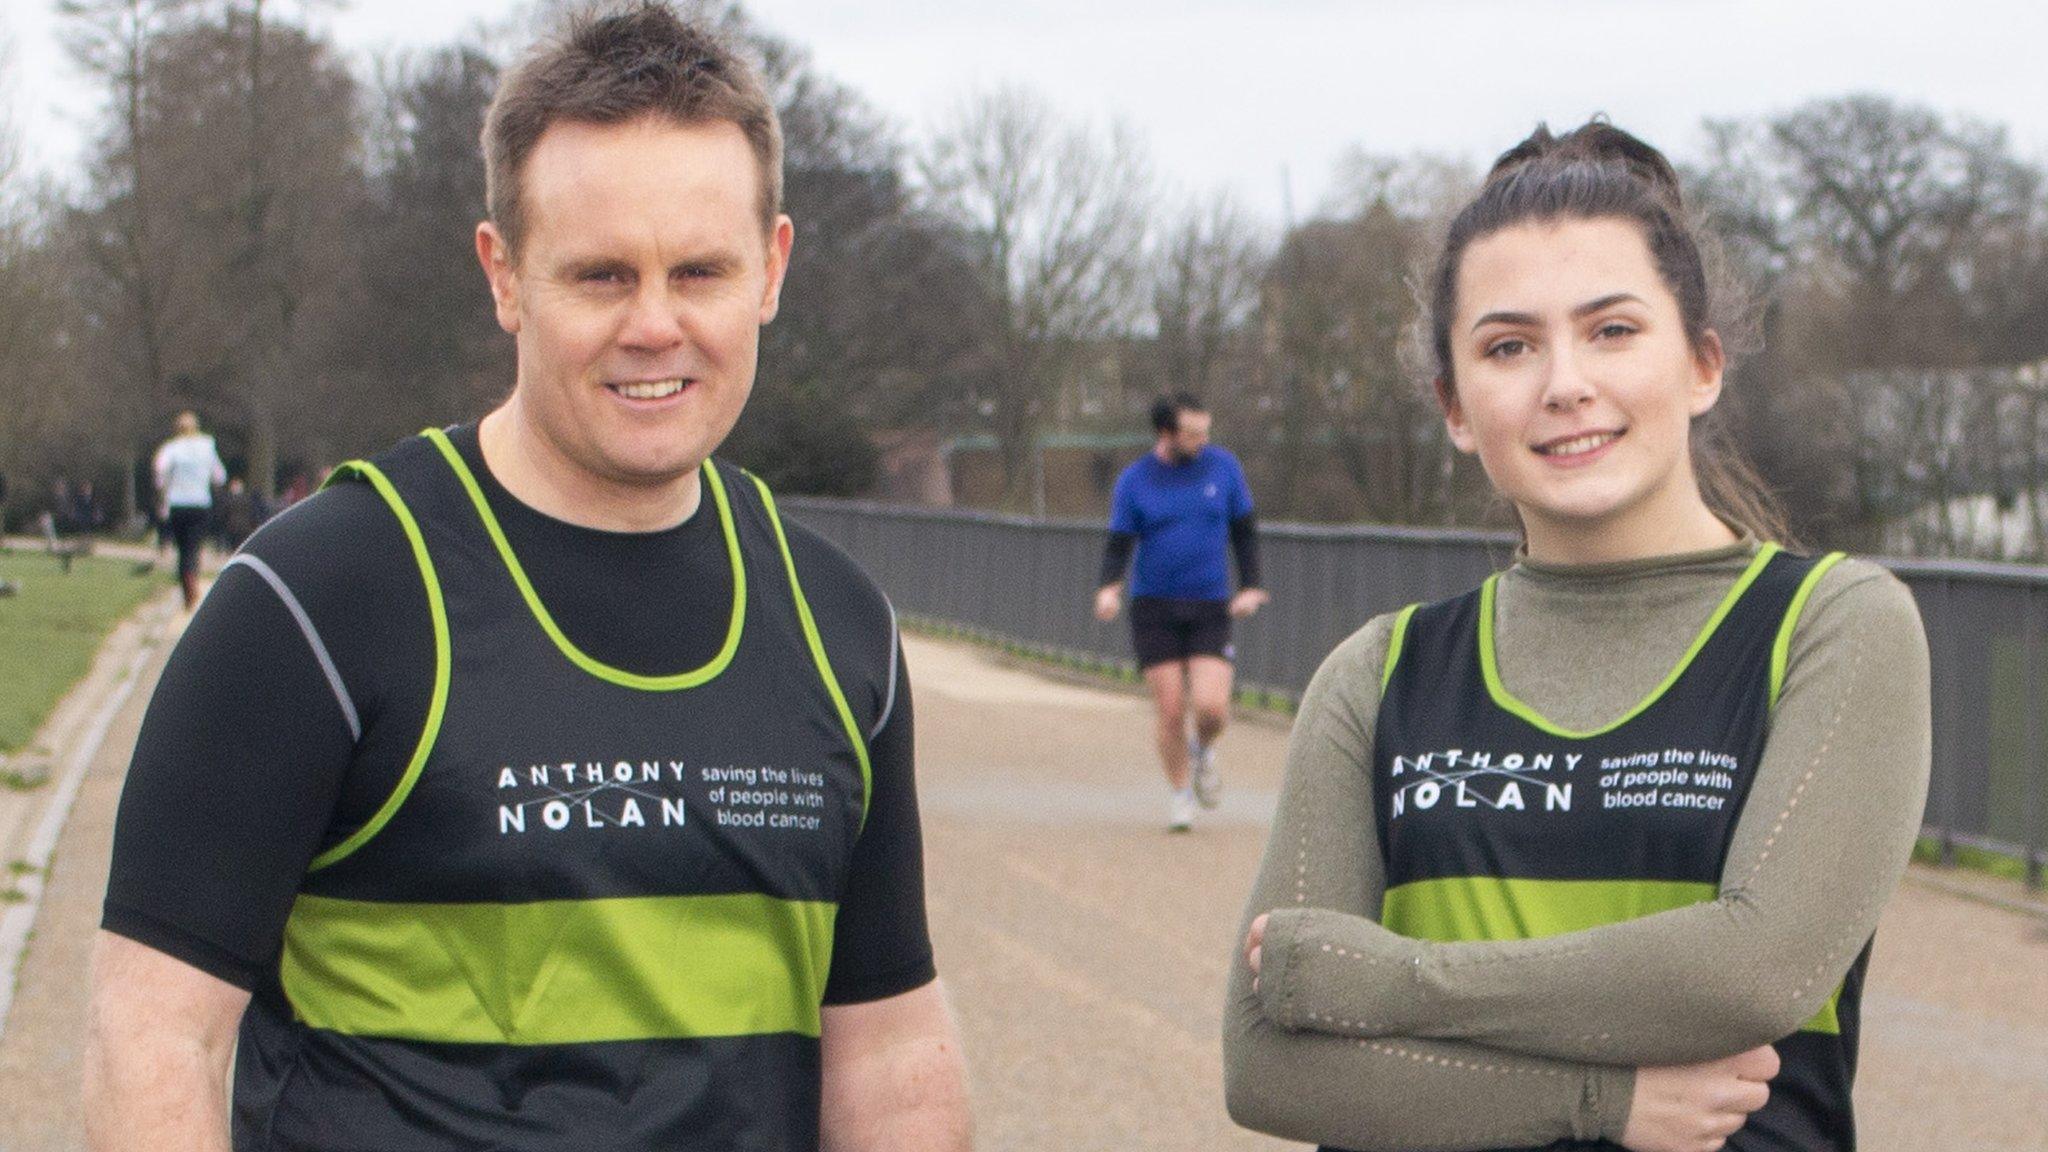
column 1592, row 854
column 188, row 468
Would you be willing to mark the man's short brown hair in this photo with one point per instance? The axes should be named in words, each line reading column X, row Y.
column 614, row 67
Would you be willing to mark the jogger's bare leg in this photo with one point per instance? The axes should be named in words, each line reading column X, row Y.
column 1169, row 711
column 1209, row 682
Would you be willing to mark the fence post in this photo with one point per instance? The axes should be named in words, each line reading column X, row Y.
column 2036, row 771
column 1945, row 663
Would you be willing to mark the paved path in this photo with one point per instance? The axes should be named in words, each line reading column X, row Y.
column 91, row 733
column 1085, row 948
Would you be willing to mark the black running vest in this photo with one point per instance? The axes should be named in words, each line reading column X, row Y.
column 1497, row 824
column 597, row 911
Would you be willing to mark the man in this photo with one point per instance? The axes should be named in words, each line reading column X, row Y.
column 188, row 468
column 86, row 512
column 535, row 786
column 1177, row 506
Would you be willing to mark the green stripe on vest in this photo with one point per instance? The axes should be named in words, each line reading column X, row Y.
column 1476, row 908
column 559, row 971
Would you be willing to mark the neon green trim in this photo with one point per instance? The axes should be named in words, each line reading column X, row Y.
column 439, row 703
column 1399, row 638
column 559, row 971
column 576, row 655
column 1467, row 908
column 1829, row 1019
column 1781, row 649
column 1476, row 908
column 1507, row 700
column 817, row 644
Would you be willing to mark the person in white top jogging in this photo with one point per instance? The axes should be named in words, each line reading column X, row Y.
column 188, row 469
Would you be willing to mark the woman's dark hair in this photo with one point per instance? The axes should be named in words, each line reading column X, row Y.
column 1599, row 172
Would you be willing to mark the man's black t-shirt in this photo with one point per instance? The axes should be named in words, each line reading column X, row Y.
column 314, row 652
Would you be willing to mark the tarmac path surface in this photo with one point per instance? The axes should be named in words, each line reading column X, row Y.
column 1084, row 948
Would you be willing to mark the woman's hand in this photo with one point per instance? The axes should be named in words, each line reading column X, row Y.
column 1696, row 1107
column 1254, row 941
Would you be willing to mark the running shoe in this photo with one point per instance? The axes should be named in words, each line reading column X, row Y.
column 1180, row 811
column 1208, row 778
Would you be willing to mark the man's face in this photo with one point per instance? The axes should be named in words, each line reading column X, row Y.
column 1190, row 434
column 638, row 295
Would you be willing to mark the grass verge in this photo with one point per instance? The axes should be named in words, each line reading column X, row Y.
column 50, row 628
column 1927, row 850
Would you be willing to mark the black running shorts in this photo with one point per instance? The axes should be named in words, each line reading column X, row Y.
column 188, row 530
column 1164, row 629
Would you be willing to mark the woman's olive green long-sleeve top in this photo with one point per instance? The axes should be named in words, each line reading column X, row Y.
column 1368, row 1040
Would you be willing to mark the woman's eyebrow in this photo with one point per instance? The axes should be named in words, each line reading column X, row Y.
column 1604, row 303
column 1578, row 313
column 1504, row 318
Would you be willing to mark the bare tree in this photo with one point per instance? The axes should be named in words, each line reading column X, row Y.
column 1055, row 215
column 1205, row 292
column 1891, row 205
column 1422, row 186
column 231, row 173
column 1897, row 250
column 1785, row 408
column 2007, row 298
column 1339, row 303
column 883, row 315
column 116, row 41
column 299, row 183
column 439, row 354
column 25, row 395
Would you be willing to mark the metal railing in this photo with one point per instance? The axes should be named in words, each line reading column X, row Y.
column 1030, row 582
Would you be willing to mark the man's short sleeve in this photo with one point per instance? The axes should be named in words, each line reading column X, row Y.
column 242, row 770
column 1123, row 506
column 881, row 942
column 1240, row 491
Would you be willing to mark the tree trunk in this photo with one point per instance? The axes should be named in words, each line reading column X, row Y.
column 262, row 465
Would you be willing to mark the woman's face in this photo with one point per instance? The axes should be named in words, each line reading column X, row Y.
column 1576, row 386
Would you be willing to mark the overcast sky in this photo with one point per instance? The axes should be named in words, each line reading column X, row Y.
column 1229, row 93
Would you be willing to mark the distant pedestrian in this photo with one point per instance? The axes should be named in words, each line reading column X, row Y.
column 1182, row 507
column 86, row 513
column 241, row 510
column 62, row 504
column 188, row 469
column 300, row 487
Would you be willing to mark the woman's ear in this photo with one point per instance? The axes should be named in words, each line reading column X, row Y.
column 1710, row 361
column 1454, row 416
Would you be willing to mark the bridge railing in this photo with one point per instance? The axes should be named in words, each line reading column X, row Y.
column 1032, row 581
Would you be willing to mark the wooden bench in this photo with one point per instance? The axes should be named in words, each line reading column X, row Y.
column 65, row 549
